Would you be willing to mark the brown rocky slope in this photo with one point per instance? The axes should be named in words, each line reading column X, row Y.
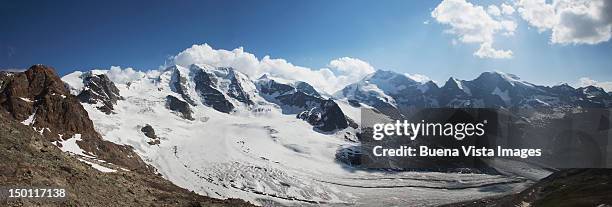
column 57, row 115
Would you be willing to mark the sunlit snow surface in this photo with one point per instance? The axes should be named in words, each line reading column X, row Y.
column 271, row 158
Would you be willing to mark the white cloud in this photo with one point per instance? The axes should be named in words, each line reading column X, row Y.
column 537, row 13
column 507, row 9
column 474, row 25
column 493, row 10
column 118, row 75
column 351, row 66
column 584, row 81
column 336, row 75
column 418, row 77
column 486, row 50
column 571, row 21
column 509, row 27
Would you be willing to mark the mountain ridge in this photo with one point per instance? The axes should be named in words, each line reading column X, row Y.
column 488, row 90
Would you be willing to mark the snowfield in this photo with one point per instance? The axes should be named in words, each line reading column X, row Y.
column 271, row 158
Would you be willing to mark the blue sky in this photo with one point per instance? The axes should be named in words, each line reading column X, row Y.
column 390, row 35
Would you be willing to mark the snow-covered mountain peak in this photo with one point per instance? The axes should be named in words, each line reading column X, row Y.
column 365, row 92
column 593, row 91
column 389, row 81
column 502, row 78
column 387, row 89
column 223, row 88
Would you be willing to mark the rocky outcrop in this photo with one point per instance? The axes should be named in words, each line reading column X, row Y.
column 38, row 98
column 182, row 107
column 210, row 95
column 326, row 117
column 324, row 114
column 99, row 89
column 150, row 133
column 179, row 84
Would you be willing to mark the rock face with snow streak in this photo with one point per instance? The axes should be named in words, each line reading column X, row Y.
column 205, row 85
column 302, row 99
column 326, row 117
column 180, row 83
column 223, row 89
column 39, row 97
column 98, row 89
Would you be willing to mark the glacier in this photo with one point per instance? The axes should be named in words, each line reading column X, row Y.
column 260, row 154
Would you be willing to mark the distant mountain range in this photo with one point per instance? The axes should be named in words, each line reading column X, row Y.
column 230, row 91
column 489, row 90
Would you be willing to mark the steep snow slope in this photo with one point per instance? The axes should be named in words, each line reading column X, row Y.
column 268, row 157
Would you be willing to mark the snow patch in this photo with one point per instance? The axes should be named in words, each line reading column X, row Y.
column 513, row 79
column 71, row 146
column 462, row 87
column 74, row 82
column 26, row 99
column 98, row 167
column 30, row 120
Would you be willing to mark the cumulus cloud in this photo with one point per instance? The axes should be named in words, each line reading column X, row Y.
column 585, row 81
column 351, row 67
column 338, row 73
column 119, row 75
column 507, row 9
column 486, row 50
column 571, row 21
column 493, row 10
column 418, row 77
column 475, row 25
